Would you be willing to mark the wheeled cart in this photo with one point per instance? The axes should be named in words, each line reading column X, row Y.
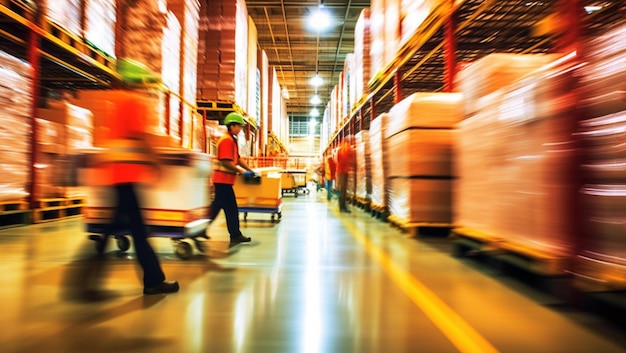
column 276, row 212
column 176, row 207
column 194, row 231
column 261, row 196
column 294, row 181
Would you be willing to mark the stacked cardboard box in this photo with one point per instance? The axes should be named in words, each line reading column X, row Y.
column 362, row 61
column 363, row 166
column 223, row 51
column 63, row 130
column 15, row 129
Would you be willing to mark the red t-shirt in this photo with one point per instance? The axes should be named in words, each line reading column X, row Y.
column 227, row 149
column 345, row 159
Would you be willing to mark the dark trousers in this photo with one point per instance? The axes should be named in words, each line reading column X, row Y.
column 342, row 185
column 128, row 214
column 225, row 200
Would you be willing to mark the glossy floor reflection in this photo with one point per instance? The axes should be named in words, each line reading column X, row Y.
column 318, row 281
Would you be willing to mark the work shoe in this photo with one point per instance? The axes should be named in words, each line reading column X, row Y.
column 239, row 239
column 163, row 287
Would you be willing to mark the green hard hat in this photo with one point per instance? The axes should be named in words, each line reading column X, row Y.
column 234, row 118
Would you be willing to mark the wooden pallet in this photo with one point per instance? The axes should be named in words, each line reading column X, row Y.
column 14, row 218
column 420, row 229
column 524, row 256
column 7, row 206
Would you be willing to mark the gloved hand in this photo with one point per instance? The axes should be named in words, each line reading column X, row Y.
column 248, row 174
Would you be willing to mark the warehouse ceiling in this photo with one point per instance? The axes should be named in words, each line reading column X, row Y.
column 484, row 26
column 297, row 52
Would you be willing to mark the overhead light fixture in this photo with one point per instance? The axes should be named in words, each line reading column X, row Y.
column 285, row 93
column 317, row 80
column 319, row 20
column 315, row 112
column 315, row 100
column 592, row 9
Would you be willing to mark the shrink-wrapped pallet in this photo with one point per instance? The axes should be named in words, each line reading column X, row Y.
column 99, row 24
column 493, row 72
column 66, row 14
column 421, row 152
column 377, row 158
column 362, row 60
column 363, row 165
column 425, row 110
column 528, row 169
column 15, row 129
column 420, row 200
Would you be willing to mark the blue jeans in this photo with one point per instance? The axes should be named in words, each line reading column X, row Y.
column 329, row 190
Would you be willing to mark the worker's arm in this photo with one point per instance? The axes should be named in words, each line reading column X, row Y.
column 230, row 165
column 244, row 165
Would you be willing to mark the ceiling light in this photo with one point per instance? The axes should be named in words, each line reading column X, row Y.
column 592, row 9
column 317, row 80
column 319, row 19
column 285, row 93
column 315, row 100
column 315, row 112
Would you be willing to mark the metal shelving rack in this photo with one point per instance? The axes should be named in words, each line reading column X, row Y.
column 462, row 31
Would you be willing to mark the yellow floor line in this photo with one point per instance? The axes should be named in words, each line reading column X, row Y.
column 458, row 331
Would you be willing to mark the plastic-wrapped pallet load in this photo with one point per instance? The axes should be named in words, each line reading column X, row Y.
column 602, row 256
column 517, row 163
column 494, row 72
column 378, row 169
column 65, row 13
column 363, row 167
column 419, row 136
column 99, row 24
column 15, row 88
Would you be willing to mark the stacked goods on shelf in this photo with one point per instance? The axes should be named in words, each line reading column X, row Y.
column 516, row 155
column 223, row 52
column 419, row 137
column 602, row 131
column 360, row 73
column 413, row 14
column 385, row 30
column 188, row 14
column 15, row 129
column 253, row 95
column 150, row 34
column 99, row 24
column 346, row 80
column 377, row 159
column 492, row 72
column 64, row 13
column 363, row 167
column 63, row 129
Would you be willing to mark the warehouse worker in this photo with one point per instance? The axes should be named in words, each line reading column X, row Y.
column 227, row 165
column 345, row 164
column 130, row 160
column 329, row 175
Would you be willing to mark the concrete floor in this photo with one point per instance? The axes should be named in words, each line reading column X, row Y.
column 318, row 281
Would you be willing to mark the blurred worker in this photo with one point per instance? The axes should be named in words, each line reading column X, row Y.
column 320, row 171
column 329, row 174
column 227, row 165
column 345, row 164
column 130, row 161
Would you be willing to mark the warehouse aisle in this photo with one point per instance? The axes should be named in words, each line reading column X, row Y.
column 318, row 281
